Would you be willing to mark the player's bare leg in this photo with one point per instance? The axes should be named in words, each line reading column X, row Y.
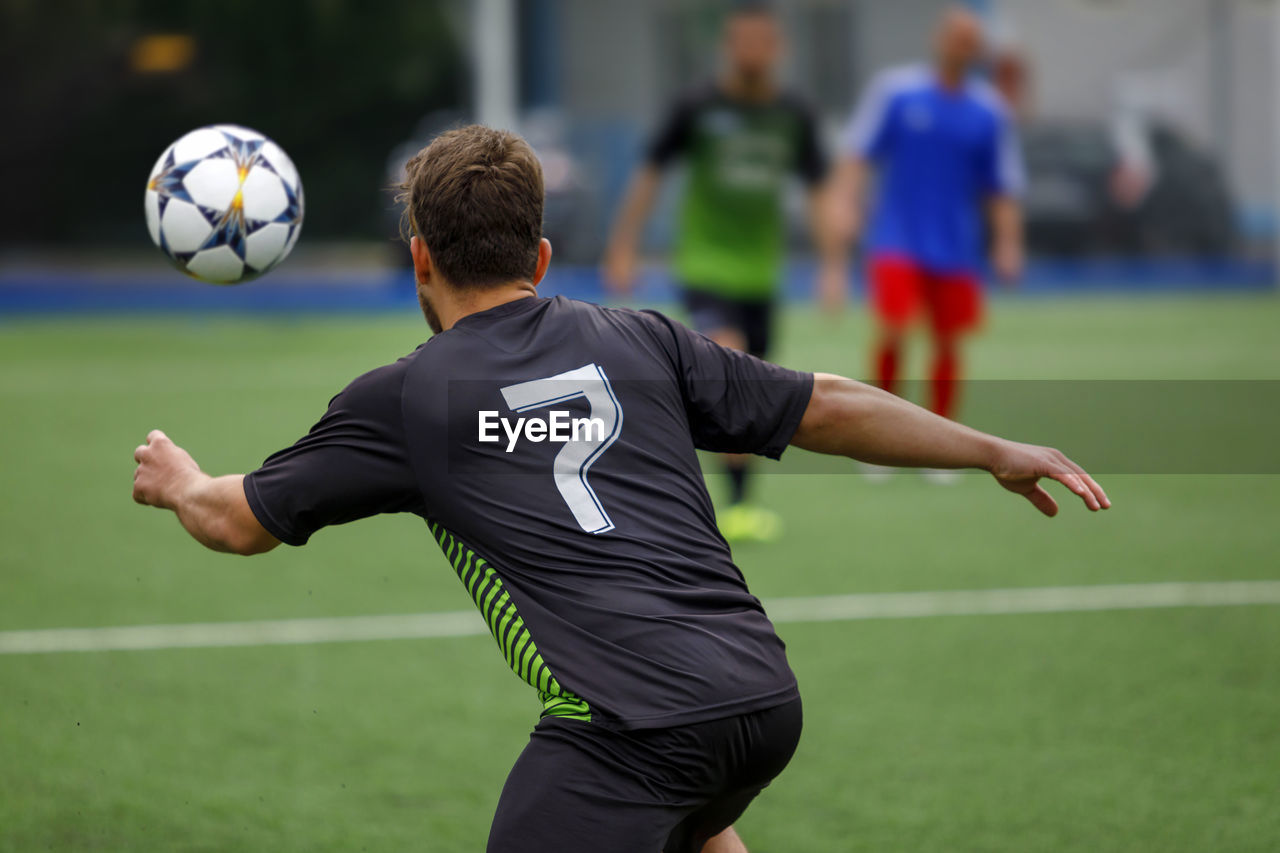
column 886, row 356
column 726, row 842
column 740, row 521
column 944, row 386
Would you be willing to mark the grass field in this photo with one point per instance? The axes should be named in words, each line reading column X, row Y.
column 1125, row 730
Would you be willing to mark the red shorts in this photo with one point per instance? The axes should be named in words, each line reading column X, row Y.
column 901, row 289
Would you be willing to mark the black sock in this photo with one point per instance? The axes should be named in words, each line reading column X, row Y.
column 737, row 482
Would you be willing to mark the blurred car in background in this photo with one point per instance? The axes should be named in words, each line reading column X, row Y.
column 1086, row 195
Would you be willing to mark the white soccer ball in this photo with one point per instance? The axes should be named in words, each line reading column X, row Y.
column 224, row 203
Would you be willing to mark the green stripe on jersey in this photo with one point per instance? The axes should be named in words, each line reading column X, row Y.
column 486, row 589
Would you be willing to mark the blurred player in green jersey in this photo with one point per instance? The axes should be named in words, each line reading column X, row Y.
column 742, row 138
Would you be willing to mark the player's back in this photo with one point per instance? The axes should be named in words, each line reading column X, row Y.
column 554, row 445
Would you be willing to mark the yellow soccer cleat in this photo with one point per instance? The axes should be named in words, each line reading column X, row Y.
column 746, row 523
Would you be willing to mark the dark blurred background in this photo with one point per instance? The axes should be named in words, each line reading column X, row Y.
column 1149, row 125
column 97, row 88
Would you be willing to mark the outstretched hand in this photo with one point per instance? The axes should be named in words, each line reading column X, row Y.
column 1008, row 260
column 214, row 510
column 1020, row 467
column 164, row 469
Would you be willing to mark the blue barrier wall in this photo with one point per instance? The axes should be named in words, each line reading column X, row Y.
column 32, row 292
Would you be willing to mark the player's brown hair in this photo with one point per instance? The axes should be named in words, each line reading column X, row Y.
column 474, row 196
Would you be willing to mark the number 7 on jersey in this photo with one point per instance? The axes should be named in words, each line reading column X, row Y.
column 576, row 457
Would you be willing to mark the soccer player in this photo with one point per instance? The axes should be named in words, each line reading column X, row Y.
column 742, row 138
column 946, row 150
column 591, row 550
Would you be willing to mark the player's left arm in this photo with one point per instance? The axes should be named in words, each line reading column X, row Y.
column 214, row 510
column 1008, row 256
column 740, row 404
column 1006, row 182
column 848, row 418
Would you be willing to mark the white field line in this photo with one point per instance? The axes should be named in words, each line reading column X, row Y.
column 826, row 608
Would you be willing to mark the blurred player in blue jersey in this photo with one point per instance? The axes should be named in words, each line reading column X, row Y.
column 946, row 153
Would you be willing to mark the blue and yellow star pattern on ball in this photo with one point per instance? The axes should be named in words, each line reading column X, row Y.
column 230, row 227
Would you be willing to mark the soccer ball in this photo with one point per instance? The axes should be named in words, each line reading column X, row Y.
column 224, row 203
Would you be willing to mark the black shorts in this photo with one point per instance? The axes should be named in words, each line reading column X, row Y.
column 752, row 318
column 581, row 786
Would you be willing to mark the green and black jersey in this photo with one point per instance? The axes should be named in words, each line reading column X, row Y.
column 551, row 447
column 740, row 155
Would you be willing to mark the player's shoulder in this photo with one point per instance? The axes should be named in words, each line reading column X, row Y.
column 380, row 387
column 983, row 93
column 797, row 103
column 605, row 315
column 619, row 324
column 901, row 79
column 696, row 97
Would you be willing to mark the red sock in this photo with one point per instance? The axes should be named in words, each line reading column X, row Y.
column 946, row 378
column 887, row 366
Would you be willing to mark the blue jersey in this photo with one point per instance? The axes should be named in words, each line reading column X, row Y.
column 940, row 154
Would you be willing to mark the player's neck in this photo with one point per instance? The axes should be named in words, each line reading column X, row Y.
column 458, row 305
column 951, row 77
column 748, row 87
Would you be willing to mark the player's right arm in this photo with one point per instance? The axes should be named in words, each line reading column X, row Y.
column 353, row 463
column 213, row 510
column 848, row 418
column 864, row 140
column 620, row 254
column 671, row 140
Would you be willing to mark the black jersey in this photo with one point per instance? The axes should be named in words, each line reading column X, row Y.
column 550, row 446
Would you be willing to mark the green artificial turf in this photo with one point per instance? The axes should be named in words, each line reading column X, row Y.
column 1124, row 730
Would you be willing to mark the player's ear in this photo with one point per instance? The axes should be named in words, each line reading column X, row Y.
column 544, row 261
column 422, row 267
